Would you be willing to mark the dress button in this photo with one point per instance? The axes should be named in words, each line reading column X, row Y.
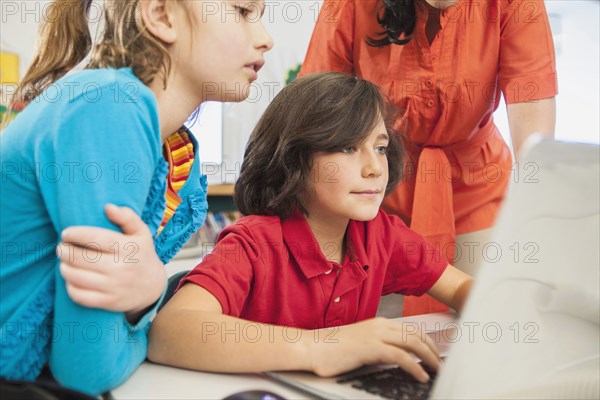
column 430, row 103
column 337, row 300
column 433, row 58
column 428, row 83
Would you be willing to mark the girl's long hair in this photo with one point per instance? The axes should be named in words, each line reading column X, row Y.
column 64, row 41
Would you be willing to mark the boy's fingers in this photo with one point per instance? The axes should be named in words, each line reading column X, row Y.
column 429, row 341
column 428, row 355
column 414, row 344
column 125, row 218
column 406, row 362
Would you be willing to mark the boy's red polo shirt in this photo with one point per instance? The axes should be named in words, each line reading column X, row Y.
column 267, row 270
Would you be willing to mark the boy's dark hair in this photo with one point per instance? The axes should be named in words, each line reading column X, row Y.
column 320, row 112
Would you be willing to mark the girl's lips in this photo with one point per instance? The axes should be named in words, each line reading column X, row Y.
column 252, row 71
column 258, row 65
column 254, row 67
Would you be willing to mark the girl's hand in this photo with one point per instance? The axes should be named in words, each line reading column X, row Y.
column 111, row 270
column 374, row 341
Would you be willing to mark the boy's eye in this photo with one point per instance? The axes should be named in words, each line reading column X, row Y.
column 382, row 149
column 349, row 150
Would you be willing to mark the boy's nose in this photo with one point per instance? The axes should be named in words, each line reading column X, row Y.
column 372, row 166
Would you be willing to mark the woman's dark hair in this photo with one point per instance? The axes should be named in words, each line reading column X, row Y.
column 320, row 112
column 398, row 21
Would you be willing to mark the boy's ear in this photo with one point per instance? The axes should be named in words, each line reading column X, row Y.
column 158, row 20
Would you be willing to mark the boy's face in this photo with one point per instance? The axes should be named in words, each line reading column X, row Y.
column 350, row 184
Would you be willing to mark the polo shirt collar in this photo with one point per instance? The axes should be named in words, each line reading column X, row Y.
column 305, row 249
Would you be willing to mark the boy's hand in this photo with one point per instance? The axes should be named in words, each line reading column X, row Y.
column 111, row 270
column 374, row 341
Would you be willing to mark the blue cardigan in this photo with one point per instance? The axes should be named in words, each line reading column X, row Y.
column 91, row 138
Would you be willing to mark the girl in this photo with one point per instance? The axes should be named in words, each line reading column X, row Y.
column 446, row 63
column 314, row 251
column 100, row 135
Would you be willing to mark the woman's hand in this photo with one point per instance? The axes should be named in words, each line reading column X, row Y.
column 374, row 341
column 111, row 270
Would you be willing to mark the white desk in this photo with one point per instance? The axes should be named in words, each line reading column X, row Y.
column 152, row 381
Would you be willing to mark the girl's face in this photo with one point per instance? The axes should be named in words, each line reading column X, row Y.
column 349, row 184
column 219, row 55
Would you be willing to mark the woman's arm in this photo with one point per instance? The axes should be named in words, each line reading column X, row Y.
column 191, row 332
column 527, row 69
column 452, row 288
column 537, row 116
column 332, row 41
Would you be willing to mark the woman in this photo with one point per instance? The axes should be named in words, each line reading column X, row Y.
column 444, row 65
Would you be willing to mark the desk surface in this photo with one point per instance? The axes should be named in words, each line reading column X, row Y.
column 153, row 381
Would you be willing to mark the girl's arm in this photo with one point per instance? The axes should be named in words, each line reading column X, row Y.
column 101, row 267
column 191, row 332
column 108, row 151
column 452, row 288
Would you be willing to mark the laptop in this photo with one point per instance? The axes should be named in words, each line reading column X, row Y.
column 530, row 328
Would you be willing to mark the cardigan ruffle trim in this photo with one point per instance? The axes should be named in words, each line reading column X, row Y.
column 36, row 344
column 188, row 218
column 155, row 202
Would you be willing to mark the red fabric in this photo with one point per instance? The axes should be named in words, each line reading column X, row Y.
column 266, row 270
column 458, row 165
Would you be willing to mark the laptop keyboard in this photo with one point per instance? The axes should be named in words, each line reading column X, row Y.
column 393, row 383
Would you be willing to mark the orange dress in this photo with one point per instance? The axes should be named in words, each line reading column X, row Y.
column 457, row 166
